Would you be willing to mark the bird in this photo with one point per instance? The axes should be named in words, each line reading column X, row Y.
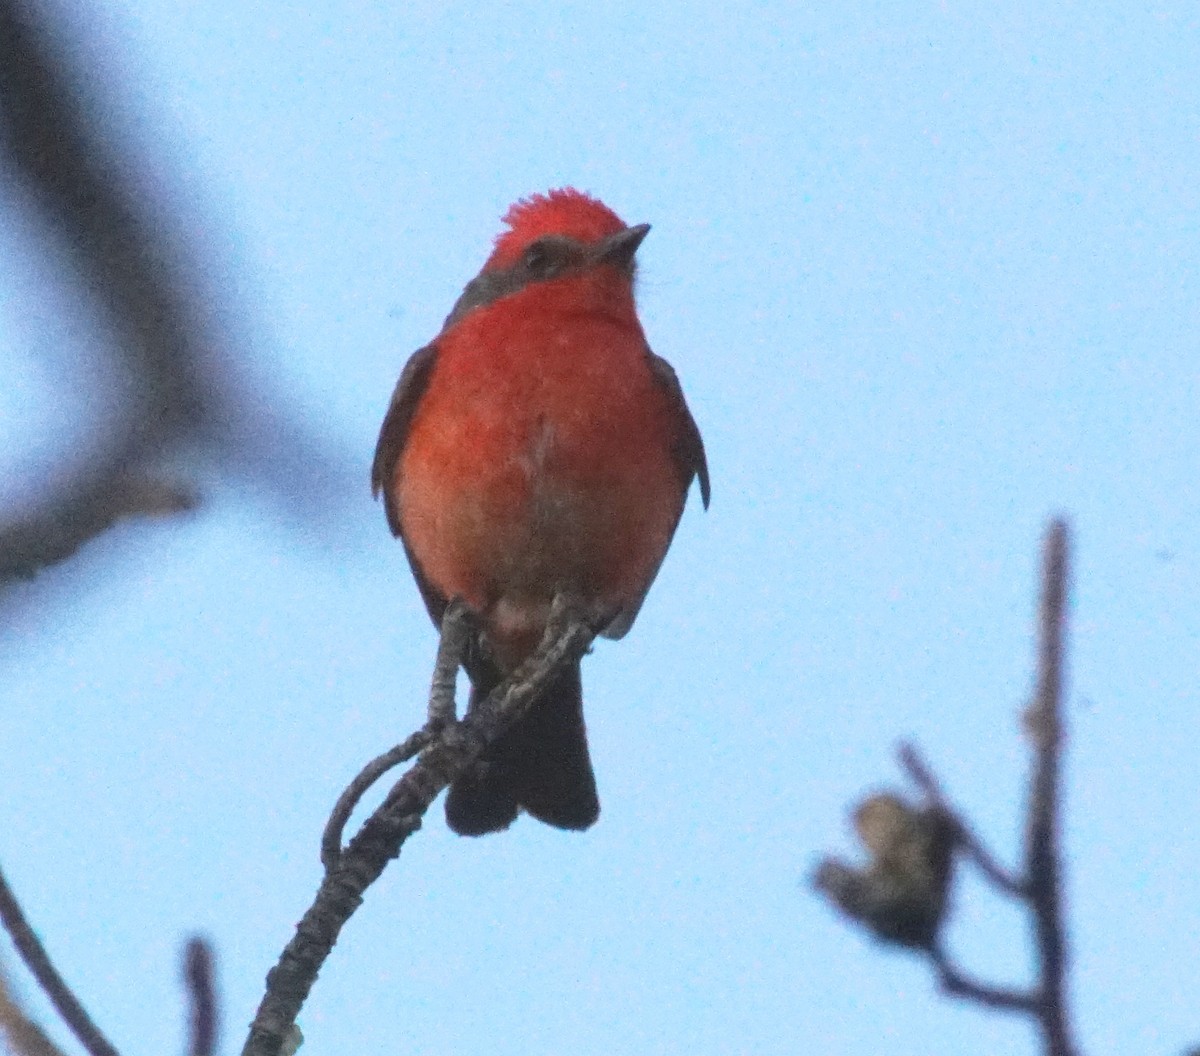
column 537, row 446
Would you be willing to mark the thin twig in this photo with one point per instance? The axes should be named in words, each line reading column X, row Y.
column 1045, row 725
column 382, row 835
column 968, row 841
column 457, row 625
column 954, row 981
column 331, row 838
column 199, row 980
column 33, row 953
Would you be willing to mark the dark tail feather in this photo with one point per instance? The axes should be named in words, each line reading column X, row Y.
column 540, row 765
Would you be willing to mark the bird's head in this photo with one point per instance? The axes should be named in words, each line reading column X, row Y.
column 550, row 236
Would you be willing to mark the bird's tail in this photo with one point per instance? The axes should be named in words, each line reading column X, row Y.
column 541, row 765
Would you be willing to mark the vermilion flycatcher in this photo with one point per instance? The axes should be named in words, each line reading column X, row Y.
column 538, row 446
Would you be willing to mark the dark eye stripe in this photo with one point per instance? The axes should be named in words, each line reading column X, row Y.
column 556, row 256
column 550, row 255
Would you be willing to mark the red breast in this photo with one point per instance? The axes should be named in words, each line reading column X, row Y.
column 540, row 458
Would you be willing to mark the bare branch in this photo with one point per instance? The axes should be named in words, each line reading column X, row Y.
column 1045, row 725
column 32, row 543
column 33, row 953
column 954, row 981
column 860, row 894
column 379, row 840
column 199, row 977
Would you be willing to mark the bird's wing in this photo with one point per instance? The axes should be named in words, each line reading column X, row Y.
column 392, row 437
column 688, row 453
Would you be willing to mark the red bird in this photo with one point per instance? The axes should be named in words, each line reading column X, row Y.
column 537, row 445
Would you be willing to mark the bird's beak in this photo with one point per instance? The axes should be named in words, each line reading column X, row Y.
column 619, row 249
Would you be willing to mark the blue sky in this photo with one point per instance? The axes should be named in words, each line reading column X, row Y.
column 929, row 273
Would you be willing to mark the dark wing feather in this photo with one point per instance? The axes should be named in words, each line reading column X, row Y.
column 394, row 432
column 688, row 453
column 392, row 437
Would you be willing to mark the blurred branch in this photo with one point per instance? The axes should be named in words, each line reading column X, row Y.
column 33, row 953
column 895, row 889
column 449, row 748
column 200, row 982
column 1042, row 856
column 131, row 263
column 968, row 842
column 30, row 544
column 26, row 1038
column 956, row 982
column 22, row 1035
column 121, row 259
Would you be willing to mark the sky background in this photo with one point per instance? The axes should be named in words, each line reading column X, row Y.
column 929, row 273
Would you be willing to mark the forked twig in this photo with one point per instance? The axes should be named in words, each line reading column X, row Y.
column 457, row 625
column 331, row 838
column 864, row 895
column 448, row 753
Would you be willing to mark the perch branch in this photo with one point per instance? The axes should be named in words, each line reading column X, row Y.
column 381, row 837
column 457, row 625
